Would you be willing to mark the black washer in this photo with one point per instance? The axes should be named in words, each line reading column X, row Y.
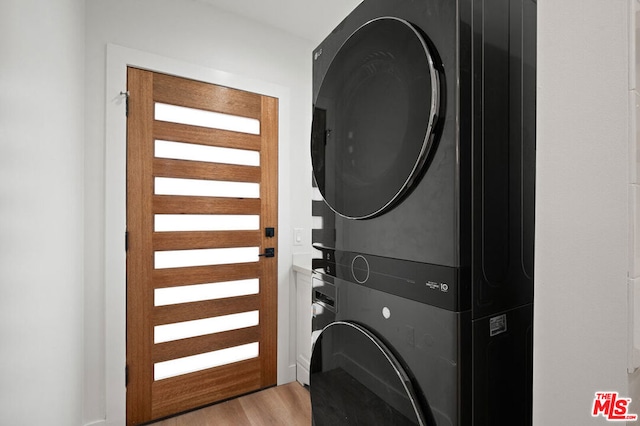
column 374, row 387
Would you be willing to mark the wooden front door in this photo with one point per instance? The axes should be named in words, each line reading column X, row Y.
column 201, row 214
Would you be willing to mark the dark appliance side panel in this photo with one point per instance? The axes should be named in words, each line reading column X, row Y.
column 503, row 368
column 503, row 154
column 426, row 225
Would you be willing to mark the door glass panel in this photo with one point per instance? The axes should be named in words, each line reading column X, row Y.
column 199, row 292
column 202, row 118
column 183, row 330
column 205, row 222
column 316, row 222
column 203, row 257
column 315, row 194
column 176, row 367
column 206, row 188
column 211, row 154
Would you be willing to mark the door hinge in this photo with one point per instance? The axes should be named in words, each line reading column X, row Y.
column 126, row 102
column 126, row 241
column 126, row 375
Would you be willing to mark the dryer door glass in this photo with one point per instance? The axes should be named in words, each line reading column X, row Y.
column 355, row 379
column 374, row 118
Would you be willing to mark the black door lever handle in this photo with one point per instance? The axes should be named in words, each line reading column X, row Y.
column 269, row 252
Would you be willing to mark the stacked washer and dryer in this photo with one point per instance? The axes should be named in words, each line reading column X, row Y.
column 423, row 153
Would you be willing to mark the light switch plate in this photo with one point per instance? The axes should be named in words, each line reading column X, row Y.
column 297, row 236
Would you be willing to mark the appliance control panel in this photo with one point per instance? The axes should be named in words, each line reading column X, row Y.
column 437, row 285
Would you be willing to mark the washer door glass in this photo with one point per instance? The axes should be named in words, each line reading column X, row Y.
column 355, row 379
column 373, row 118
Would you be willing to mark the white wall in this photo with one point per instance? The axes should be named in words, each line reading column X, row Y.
column 191, row 33
column 580, row 344
column 41, row 184
column 634, row 203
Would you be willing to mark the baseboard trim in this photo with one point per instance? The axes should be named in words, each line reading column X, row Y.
column 302, row 373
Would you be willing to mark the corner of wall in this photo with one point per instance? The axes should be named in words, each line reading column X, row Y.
column 634, row 192
column 633, row 339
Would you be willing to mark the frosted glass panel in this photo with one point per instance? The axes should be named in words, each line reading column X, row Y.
column 176, row 367
column 202, row 118
column 196, row 293
column 317, row 222
column 206, row 188
column 202, row 257
column 211, row 154
column 316, row 195
column 183, row 330
column 205, row 222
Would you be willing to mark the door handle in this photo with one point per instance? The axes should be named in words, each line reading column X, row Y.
column 269, row 252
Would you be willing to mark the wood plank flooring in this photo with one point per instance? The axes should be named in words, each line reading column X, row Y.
column 286, row 405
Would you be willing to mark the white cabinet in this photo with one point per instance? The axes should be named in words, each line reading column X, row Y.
column 303, row 323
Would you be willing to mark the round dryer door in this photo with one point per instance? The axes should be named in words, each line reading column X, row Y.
column 374, row 118
column 356, row 380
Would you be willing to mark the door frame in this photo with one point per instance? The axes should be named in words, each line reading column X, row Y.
column 118, row 59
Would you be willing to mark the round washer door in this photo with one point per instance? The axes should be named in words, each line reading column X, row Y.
column 356, row 380
column 374, row 118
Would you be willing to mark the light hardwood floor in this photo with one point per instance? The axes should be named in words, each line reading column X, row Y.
column 286, row 405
